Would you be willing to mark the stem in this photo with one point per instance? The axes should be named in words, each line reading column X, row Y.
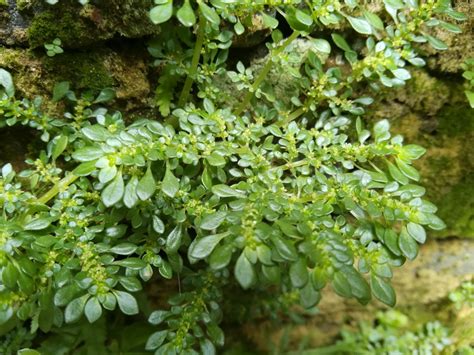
column 293, row 116
column 68, row 180
column 265, row 72
column 194, row 62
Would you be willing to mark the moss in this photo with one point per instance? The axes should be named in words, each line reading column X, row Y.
column 457, row 208
column 62, row 22
column 128, row 18
column 83, row 69
column 455, row 120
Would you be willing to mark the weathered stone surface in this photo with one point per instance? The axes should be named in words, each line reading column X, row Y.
column 35, row 73
column 35, row 22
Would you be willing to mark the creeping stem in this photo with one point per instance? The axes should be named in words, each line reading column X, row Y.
column 264, row 72
column 194, row 62
column 68, row 180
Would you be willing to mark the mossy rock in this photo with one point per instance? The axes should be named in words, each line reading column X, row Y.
column 62, row 22
column 35, row 73
column 82, row 26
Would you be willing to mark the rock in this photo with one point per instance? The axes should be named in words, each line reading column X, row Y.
column 36, row 22
column 36, row 74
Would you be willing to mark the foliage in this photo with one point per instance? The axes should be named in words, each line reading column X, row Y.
column 469, row 76
column 268, row 192
column 463, row 295
column 391, row 335
column 53, row 48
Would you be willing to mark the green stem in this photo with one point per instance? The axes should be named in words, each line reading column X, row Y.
column 194, row 62
column 263, row 74
column 293, row 116
column 68, row 180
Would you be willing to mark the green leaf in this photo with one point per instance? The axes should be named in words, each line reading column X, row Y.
column 397, row 174
column 391, row 241
column 299, row 273
column 201, row 248
column 239, row 28
column 309, row 297
column 75, row 308
column 158, row 225
column 383, row 291
column 59, row 145
column 321, row 45
column 244, row 272
column 209, row 13
column 10, row 275
column 269, row 21
column 173, row 241
column 124, row 249
column 147, row 186
column 212, row 221
column 207, row 348
column 417, row 232
column 27, row 351
column 64, row 295
column 130, row 197
column 93, row 310
column 105, row 95
column 131, row 263
column 285, row 248
column 85, row 169
column 407, row 170
column 341, row 42
column 60, row 90
column 186, row 15
column 222, row 190
column 170, row 184
column 216, row 160
column 360, row 25
column 374, row 20
column 436, row 43
column 130, row 283
column 114, row 191
column 161, row 13
column 413, row 152
column 127, row 303
column 157, row 317
column 303, row 18
column 96, row 133
column 221, row 256
column 341, row 284
column 318, row 279
column 7, row 82
column 37, row 224
column 156, row 339
column 407, row 245
column 88, row 154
